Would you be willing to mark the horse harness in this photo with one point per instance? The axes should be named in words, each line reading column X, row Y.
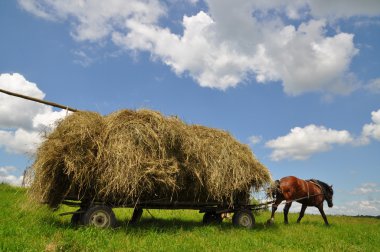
column 313, row 181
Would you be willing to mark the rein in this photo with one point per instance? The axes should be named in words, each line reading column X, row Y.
column 306, row 197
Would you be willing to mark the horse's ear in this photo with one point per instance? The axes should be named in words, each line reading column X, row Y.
column 331, row 186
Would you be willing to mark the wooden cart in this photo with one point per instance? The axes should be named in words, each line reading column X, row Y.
column 100, row 214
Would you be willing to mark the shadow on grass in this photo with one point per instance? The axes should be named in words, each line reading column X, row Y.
column 163, row 225
column 158, row 225
column 175, row 225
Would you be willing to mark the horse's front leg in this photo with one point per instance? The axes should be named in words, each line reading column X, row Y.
column 274, row 208
column 302, row 213
column 320, row 208
column 286, row 211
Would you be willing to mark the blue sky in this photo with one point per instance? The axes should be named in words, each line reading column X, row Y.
column 296, row 80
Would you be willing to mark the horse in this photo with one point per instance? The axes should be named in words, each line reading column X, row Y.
column 307, row 192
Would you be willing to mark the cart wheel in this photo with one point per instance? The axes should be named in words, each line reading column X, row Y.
column 99, row 216
column 212, row 218
column 243, row 218
column 136, row 216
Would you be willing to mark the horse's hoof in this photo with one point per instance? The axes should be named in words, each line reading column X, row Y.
column 270, row 222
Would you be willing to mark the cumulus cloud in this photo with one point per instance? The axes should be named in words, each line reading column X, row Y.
column 96, row 19
column 47, row 121
column 301, row 143
column 229, row 43
column 9, row 104
column 19, row 141
column 371, row 130
column 7, row 177
column 217, row 55
column 22, row 121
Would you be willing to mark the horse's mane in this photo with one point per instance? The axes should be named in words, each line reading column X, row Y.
column 325, row 187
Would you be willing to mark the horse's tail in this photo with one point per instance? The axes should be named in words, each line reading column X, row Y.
column 274, row 189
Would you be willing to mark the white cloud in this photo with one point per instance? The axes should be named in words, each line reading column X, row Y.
column 230, row 43
column 24, row 109
column 20, row 141
column 7, row 177
column 21, row 121
column 82, row 58
column 4, row 170
column 220, row 58
column 371, row 130
column 47, row 121
column 359, row 207
column 344, row 8
column 308, row 61
column 193, row 1
column 297, row 9
column 255, row 139
column 301, row 143
column 374, row 86
column 96, row 19
column 367, row 188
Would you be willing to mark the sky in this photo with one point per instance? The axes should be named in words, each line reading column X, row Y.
column 298, row 81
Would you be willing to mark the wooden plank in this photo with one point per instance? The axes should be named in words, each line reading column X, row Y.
column 38, row 100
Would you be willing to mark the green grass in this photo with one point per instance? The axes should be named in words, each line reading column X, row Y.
column 25, row 227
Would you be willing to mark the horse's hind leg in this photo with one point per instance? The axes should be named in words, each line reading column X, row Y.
column 286, row 211
column 302, row 213
column 320, row 208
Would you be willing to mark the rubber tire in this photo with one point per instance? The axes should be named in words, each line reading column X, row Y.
column 212, row 218
column 100, row 217
column 243, row 218
column 136, row 216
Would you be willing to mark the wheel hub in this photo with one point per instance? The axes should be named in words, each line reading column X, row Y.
column 245, row 221
column 100, row 219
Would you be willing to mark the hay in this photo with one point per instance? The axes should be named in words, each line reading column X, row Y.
column 131, row 156
column 68, row 158
column 135, row 154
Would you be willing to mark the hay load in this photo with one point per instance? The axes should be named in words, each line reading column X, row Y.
column 131, row 156
column 68, row 158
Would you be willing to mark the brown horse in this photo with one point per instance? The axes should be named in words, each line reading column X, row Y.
column 307, row 192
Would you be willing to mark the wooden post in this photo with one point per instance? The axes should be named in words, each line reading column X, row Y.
column 38, row 100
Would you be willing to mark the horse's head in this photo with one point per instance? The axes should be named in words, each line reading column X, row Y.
column 329, row 192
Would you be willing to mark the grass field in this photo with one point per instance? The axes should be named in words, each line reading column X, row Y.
column 25, row 227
